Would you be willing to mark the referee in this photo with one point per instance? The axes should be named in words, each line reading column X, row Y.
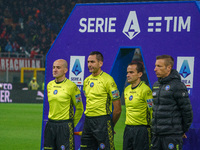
column 63, row 94
column 101, row 93
column 138, row 101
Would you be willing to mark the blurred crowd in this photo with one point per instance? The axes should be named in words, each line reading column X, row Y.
column 31, row 26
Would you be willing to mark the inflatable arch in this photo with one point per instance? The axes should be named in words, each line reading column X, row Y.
column 125, row 32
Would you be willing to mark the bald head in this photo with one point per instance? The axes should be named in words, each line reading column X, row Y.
column 62, row 62
column 60, row 69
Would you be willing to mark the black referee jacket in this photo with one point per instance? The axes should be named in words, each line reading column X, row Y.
column 172, row 110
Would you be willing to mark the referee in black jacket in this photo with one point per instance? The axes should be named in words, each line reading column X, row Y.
column 172, row 110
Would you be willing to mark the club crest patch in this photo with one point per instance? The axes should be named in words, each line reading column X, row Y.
column 131, row 97
column 167, row 87
column 92, row 84
column 55, row 92
column 102, row 146
column 171, row 146
column 62, row 147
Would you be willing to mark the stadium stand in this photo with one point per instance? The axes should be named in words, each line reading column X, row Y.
column 31, row 26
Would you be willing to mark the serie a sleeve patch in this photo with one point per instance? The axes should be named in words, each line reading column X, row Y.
column 78, row 98
column 115, row 94
column 150, row 102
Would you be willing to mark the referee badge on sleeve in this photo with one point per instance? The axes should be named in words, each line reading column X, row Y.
column 78, row 98
column 149, row 102
column 115, row 94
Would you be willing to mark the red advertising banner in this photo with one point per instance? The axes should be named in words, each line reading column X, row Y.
column 15, row 64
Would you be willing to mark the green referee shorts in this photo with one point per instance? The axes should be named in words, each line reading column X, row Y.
column 59, row 135
column 98, row 133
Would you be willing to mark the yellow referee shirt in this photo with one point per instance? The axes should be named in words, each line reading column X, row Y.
column 100, row 91
column 62, row 97
column 138, row 103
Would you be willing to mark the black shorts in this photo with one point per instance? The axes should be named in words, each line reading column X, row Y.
column 59, row 135
column 136, row 138
column 98, row 133
column 169, row 142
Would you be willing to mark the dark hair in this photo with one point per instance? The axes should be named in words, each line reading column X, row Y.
column 99, row 56
column 169, row 60
column 140, row 67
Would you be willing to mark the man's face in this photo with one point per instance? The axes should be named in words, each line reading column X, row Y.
column 161, row 69
column 132, row 74
column 59, row 70
column 94, row 65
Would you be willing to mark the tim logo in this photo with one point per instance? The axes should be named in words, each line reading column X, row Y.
column 131, row 27
column 185, row 69
column 77, row 67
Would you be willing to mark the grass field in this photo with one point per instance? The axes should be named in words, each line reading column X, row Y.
column 20, row 127
column 119, row 129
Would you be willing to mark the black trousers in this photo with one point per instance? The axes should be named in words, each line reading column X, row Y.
column 98, row 133
column 136, row 137
column 169, row 142
column 59, row 135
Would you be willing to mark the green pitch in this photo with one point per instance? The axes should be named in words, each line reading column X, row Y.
column 119, row 129
column 21, row 125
